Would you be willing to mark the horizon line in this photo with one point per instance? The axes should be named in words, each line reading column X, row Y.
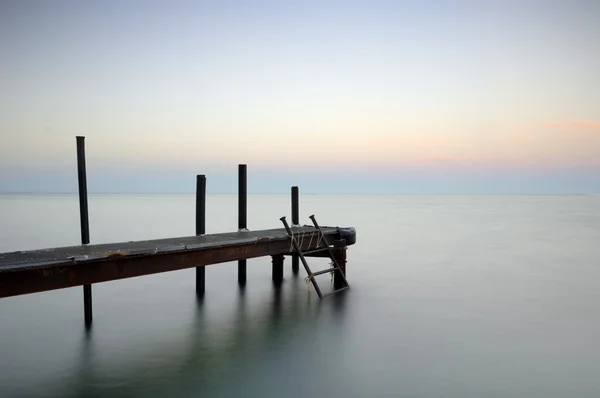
column 317, row 193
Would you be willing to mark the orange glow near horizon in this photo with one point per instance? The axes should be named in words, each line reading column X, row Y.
column 551, row 144
column 574, row 125
column 374, row 135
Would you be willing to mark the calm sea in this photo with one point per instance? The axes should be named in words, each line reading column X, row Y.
column 452, row 296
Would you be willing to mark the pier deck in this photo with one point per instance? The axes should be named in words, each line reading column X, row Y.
column 32, row 271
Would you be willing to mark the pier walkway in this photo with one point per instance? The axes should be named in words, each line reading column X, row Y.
column 32, row 271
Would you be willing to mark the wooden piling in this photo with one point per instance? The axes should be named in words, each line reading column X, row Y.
column 200, row 229
column 84, row 221
column 242, row 216
column 277, row 274
column 295, row 221
column 339, row 251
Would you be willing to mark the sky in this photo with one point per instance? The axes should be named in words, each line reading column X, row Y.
column 333, row 96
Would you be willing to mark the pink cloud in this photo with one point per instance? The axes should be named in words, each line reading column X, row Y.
column 574, row 125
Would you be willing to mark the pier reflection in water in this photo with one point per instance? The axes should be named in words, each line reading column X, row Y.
column 234, row 341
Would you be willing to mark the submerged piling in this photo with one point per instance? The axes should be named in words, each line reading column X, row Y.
column 200, row 229
column 242, row 216
column 277, row 270
column 339, row 251
column 84, row 221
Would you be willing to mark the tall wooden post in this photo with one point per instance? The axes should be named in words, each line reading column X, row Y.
column 295, row 221
column 242, row 216
column 84, row 221
column 200, row 229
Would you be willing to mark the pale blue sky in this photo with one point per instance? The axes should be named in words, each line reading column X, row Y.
column 335, row 96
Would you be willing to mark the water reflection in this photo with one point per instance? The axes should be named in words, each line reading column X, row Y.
column 338, row 303
column 84, row 369
column 208, row 353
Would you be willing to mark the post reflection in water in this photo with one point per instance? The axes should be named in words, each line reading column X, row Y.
column 215, row 355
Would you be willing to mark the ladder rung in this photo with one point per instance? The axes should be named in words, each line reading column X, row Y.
column 324, row 271
column 315, row 250
column 336, row 291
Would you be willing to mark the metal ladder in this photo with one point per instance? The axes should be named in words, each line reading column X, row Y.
column 311, row 275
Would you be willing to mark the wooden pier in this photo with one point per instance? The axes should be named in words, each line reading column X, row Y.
column 33, row 271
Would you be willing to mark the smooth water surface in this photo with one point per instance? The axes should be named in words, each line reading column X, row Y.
column 452, row 296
